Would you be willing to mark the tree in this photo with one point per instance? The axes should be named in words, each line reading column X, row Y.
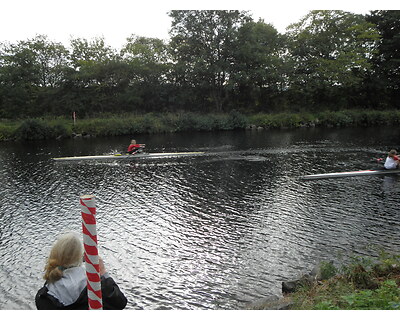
column 385, row 78
column 201, row 47
column 31, row 72
column 330, row 52
column 98, row 76
column 257, row 75
column 147, row 60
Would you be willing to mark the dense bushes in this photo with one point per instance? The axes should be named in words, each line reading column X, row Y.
column 161, row 123
column 347, row 118
column 128, row 124
column 7, row 130
column 35, row 129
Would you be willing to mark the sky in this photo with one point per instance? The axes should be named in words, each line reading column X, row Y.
column 115, row 20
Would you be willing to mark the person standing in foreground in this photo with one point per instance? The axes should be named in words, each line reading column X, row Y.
column 392, row 160
column 66, row 283
column 135, row 147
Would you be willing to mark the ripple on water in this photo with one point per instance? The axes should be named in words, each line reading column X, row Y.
column 213, row 232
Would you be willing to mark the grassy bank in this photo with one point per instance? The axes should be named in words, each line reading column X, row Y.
column 128, row 124
column 364, row 284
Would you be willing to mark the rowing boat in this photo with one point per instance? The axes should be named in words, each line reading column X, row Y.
column 130, row 157
column 350, row 174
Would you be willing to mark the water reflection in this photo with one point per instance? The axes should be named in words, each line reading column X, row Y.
column 211, row 232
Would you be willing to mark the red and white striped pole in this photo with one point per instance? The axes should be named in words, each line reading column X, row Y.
column 88, row 211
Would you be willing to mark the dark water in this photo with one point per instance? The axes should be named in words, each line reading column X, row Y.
column 210, row 232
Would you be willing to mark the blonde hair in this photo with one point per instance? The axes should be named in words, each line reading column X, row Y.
column 67, row 251
column 392, row 153
column 133, row 141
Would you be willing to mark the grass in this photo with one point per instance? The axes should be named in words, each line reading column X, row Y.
column 129, row 124
column 361, row 285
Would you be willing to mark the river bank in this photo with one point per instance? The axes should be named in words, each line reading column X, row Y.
column 151, row 123
column 363, row 284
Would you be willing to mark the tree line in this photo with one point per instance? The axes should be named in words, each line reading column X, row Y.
column 214, row 62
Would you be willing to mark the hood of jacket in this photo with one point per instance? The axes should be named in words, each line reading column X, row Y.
column 70, row 286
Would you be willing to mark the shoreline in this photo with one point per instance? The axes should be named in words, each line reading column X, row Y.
column 361, row 285
column 152, row 123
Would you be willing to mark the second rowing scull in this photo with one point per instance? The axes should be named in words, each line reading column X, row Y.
column 350, row 174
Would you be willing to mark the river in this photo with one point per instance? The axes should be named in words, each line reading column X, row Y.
column 216, row 231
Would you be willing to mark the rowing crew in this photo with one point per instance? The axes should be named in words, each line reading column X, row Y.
column 135, row 147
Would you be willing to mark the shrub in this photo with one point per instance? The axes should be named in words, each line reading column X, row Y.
column 327, row 270
column 386, row 297
column 33, row 129
column 60, row 130
column 261, row 120
column 186, row 122
column 335, row 119
column 6, row 131
column 237, row 120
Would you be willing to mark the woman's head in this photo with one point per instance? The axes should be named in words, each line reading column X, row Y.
column 133, row 141
column 392, row 153
column 66, row 252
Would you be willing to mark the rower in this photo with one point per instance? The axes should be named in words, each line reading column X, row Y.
column 392, row 160
column 135, row 147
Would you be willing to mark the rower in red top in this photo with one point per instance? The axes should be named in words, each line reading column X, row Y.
column 135, row 147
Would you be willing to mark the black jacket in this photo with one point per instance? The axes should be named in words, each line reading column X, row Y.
column 113, row 298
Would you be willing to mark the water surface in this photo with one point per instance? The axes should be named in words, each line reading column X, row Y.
column 211, row 232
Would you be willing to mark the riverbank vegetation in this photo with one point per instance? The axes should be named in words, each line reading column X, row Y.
column 364, row 284
column 128, row 124
column 213, row 63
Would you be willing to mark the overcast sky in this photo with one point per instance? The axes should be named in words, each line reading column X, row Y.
column 115, row 20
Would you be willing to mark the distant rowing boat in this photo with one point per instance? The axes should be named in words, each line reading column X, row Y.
column 130, row 157
column 350, row 174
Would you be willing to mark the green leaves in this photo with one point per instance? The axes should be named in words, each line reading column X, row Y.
column 332, row 46
column 202, row 46
column 387, row 297
column 331, row 51
column 215, row 61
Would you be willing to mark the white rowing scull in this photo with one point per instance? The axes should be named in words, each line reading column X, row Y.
column 350, row 174
column 130, row 157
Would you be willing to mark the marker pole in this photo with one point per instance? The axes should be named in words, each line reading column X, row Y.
column 88, row 212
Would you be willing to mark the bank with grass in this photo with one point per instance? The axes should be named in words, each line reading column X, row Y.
column 362, row 284
column 151, row 123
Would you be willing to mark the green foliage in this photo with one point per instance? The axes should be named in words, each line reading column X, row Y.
column 61, row 131
column 6, row 131
column 283, row 120
column 389, row 265
column 326, row 305
column 237, row 120
column 128, row 124
column 364, row 284
column 334, row 119
column 386, row 297
column 359, row 273
column 203, row 44
column 104, row 127
column 33, row 129
column 39, row 129
column 160, row 123
column 216, row 61
column 385, row 84
column 258, row 66
column 330, row 52
column 327, row 270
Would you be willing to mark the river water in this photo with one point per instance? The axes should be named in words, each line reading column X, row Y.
column 216, row 231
